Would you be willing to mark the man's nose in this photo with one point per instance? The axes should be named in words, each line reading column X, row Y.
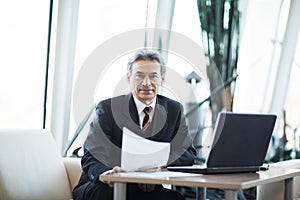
column 146, row 80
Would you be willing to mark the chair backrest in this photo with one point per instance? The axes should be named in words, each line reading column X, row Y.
column 31, row 166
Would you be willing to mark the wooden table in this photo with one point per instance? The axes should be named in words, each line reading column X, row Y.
column 231, row 183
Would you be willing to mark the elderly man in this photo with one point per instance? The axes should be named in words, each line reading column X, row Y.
column 146, row 113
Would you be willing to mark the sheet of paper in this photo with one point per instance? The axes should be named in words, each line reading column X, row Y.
column 139, row 153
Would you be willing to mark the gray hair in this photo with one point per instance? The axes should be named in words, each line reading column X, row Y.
column 147, row 54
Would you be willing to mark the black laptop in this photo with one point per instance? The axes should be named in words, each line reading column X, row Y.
column 240, row 144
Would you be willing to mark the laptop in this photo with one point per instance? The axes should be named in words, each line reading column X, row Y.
column 240, row 144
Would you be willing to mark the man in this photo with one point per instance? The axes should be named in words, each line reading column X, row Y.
column 163, row 121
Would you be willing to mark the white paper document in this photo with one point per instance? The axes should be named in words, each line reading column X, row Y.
column 139, row 153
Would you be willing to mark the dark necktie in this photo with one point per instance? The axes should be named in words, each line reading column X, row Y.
column 146, row 120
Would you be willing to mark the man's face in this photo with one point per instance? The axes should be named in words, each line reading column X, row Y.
column 145, row 79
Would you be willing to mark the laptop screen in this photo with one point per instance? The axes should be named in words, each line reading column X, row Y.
column 240, row 139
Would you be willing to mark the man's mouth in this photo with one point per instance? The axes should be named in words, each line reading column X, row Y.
column 146, row 89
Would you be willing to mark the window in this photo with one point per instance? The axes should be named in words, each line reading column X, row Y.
column 23, row 49
column 99, row 21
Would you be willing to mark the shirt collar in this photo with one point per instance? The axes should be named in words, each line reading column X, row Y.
column 140, row 105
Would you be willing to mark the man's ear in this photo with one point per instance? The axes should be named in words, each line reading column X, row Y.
column 128, row 76
column 163, row 79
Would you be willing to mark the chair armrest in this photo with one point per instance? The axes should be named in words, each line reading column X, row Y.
column 73, row 168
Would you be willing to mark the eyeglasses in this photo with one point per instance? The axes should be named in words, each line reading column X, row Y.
column 152, row 76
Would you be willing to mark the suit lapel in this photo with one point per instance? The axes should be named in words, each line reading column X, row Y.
column 129, row 111
column 133, row 111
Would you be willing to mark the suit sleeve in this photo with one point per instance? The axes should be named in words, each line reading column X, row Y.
column 97, row 146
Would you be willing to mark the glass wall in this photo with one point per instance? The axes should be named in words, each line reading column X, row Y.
column 101, row 21
column 292, row 106
column 23, row 50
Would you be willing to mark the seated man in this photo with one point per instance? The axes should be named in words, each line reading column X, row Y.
column 162, row 121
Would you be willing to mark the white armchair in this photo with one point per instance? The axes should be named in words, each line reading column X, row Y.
column 32, row 168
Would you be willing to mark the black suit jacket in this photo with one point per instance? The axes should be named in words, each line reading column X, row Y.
column 102, row 148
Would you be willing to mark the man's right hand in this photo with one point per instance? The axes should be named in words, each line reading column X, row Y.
column 114, row 170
